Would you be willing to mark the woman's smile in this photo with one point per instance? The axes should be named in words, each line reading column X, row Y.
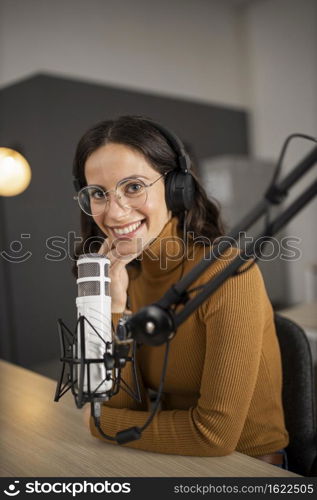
column 128, row 231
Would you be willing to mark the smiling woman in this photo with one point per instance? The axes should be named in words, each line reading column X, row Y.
column 222, row 388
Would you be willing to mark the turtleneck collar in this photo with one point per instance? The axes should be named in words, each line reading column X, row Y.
column 165, row 253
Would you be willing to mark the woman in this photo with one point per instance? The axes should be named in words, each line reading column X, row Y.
column 222, row 389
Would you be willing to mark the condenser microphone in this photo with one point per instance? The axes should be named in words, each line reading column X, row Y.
column 94, row 333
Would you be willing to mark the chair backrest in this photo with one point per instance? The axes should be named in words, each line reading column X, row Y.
column 299, row 396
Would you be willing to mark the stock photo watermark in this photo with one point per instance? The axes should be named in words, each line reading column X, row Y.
column 60, row 248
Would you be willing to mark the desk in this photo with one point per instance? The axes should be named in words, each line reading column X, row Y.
column 41, row 438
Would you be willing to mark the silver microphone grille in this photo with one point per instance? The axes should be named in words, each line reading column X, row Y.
column 88, row 269
column 88, row 288
column 93, row 272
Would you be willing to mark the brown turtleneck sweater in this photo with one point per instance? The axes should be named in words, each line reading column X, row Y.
column 222, row 390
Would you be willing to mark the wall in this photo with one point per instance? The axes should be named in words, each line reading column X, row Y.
column 282, row 58
column 181, row 47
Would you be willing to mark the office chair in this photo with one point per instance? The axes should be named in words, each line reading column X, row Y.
column 299, row 395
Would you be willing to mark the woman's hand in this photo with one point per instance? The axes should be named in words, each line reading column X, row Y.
column 118, row 275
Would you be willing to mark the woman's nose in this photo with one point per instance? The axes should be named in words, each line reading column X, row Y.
column 115, row 207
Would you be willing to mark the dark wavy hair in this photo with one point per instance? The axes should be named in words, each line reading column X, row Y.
column 138, row 133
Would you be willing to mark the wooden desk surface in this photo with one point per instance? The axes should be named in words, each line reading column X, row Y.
column 41, row 438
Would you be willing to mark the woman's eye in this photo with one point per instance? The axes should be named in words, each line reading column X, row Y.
column 97, row 194
column 134, row 188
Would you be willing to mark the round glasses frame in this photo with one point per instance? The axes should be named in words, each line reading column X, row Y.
column 137, row 201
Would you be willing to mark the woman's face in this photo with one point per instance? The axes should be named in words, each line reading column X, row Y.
column 105, row 168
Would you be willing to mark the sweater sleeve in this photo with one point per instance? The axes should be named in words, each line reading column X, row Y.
column 234, row 323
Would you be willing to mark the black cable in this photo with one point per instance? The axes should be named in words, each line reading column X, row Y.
column 185, row 227
column 160, row 389
column 185, row 243
column 96, row 412
column 136, row 379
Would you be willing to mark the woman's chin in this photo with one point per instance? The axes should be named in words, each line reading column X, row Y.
column 125, row 248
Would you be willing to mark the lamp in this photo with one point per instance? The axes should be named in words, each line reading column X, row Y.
column 15, row 172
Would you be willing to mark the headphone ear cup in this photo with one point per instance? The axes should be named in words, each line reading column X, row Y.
column 179, row 191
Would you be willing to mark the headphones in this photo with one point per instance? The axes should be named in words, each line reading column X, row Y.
column 179, row 183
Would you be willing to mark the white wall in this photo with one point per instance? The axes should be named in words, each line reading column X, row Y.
column 282, row 59
column 178, row 47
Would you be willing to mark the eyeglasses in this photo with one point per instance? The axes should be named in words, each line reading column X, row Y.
column 129, row 193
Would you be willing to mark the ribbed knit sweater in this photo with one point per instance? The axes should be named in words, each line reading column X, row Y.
column 222, row 390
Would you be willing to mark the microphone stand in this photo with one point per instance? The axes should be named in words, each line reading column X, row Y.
column 157, row 323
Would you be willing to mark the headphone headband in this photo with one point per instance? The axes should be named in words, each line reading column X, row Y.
column 176, row 144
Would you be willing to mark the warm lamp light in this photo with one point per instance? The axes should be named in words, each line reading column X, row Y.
column 15, row 172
